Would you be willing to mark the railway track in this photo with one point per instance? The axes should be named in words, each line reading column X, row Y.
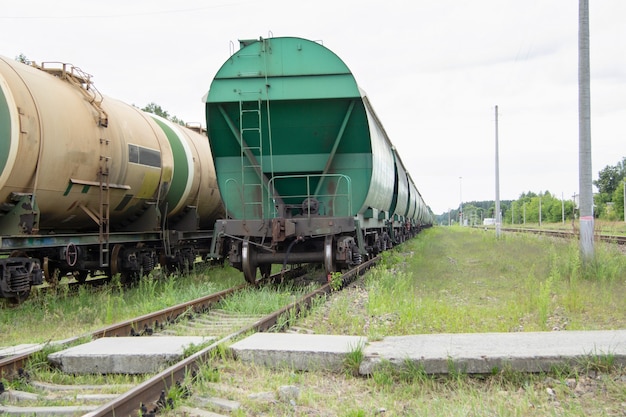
column 152, row 390
column 141, row 325
column 138, row 325
column 620, row 240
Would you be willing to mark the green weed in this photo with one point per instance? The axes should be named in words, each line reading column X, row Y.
column 353, row 359
column 335, row 280
column 89, row 308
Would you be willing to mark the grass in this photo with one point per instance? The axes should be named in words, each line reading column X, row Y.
column 56, row 315
column 263, row 300
column 445, row 280
column 410, row 392
column 353, row 359
column 461, row 280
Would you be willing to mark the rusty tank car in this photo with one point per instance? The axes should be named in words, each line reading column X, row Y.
column 89, row 183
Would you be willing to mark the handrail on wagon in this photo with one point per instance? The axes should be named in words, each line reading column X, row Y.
column 328, row 201
column 82, row 80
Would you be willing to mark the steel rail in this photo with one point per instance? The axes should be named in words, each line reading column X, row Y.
column 138, row 325
column 149, row 391
column 9, row 366
column 620, row 240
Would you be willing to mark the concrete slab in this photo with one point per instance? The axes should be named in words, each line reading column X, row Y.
column 297, row 351
column 481, row 353
column 437, row 353
column 124, row 355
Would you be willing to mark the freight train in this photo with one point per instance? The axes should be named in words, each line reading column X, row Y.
column 305, row 168
column 89, row 184
column 297, row 168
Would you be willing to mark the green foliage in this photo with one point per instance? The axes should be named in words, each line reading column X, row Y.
column 528, row 208
column 159, row 111
column 386, row 375
column 508, row 377
column 454, row 371
column 192, row 348
column 389, row 257
column 383, row 375
column 177, row 394
column 92, row 307
column 208, row 374
column 610, row 177
column 22, row 58
column 156, row 109
column 451, row 280
column 285, row 320
column 222, row 352
column 262, row 300
column 609, row 200
column 413, row 372
column 410, row 380
column 38, row 361
column 609, row 203
column 598, row 362
column 335, row 280
column 353, row 359
column 473, row 211
column 614, row 210
column 543, row 301
column 356, row 413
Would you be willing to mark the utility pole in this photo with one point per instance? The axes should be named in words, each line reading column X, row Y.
column 498, row 217
column 584, row 135
column 461, row 203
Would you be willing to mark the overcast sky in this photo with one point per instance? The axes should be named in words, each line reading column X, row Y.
column 434, row 71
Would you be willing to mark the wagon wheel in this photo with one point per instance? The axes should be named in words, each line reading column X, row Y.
column 248, row 261
column 50, row 272
column 125, row 276
column 115, row 261
column 329, row 255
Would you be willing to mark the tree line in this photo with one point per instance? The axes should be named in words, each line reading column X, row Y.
column 528, row 208
column 609, row 200
column 546, row 207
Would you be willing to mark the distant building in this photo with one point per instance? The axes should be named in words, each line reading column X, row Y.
column 489, row 221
